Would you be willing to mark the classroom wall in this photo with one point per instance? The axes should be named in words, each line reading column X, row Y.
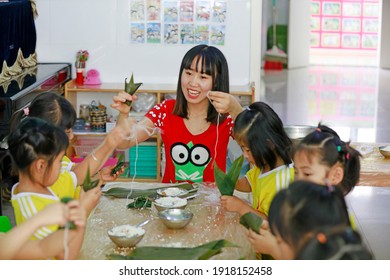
column 102, row 28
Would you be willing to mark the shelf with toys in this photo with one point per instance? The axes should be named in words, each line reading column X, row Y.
column 145, row 162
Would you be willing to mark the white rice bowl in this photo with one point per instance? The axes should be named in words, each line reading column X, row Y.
column 171, row 202
column 127, row 231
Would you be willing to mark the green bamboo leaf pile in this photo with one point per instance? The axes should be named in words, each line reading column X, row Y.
column 140, row 202
column 202, row 252
column 131, row 87
column 251, row 221
column 227, row 182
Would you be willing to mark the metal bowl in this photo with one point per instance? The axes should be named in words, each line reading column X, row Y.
column 126, row 235
column 163, row 206
column 297, row 132
column 385, row 151
column 175, row 218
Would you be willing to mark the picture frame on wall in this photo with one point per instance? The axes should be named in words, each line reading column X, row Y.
column 330, row 40
column 331, row 8
column 330, row 24
column 350, row 41
column 351, row 25
column 352, row 9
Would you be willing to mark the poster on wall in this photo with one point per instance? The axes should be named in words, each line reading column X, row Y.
column 352, row 24
column 178, row 22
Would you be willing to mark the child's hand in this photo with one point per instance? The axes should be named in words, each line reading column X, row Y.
column 90, row 199
column 76, row 213
column 105, row 173
column 53, row 214
column 264, row 242
column 233, row 204
column 119, row 102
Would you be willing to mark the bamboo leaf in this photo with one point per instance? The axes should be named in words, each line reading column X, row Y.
column 227, row 182
column 251, row 221
column 202, row 252
column 118, row 165
column 131, row 87
column 88, row 184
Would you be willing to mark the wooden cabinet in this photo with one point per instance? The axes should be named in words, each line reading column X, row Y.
column 84, row 94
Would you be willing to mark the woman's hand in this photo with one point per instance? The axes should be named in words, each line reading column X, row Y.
column 119, row 102
column 225, row 103
column 90, row 199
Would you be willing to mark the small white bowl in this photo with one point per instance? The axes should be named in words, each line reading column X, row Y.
column 173, row 192
column 385, row 151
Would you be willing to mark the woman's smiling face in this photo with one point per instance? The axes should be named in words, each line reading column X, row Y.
column 195, row 85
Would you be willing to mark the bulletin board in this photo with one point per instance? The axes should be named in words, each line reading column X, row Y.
column 352, row 24
column 157, row 38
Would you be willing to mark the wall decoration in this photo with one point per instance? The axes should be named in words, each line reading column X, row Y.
column 176, row 22
column 345, row 24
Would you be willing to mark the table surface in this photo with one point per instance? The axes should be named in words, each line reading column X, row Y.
column 375, row 168
column 210, row 222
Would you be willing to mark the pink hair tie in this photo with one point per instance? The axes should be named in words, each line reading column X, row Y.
column 26, row 111
column 318, row 129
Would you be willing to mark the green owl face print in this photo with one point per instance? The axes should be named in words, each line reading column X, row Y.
column 190, row 161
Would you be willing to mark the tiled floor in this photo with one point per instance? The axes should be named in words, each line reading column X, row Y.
column 356, row 103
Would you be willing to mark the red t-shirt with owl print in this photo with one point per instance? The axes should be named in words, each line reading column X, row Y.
column 190, row 157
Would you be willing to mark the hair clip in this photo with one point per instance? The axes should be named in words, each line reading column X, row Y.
column 26, row 111
column 347, row 156
column 339, row 148
column 321, row 237
column 248, row 108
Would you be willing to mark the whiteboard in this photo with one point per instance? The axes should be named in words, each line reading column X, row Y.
column 103, row 28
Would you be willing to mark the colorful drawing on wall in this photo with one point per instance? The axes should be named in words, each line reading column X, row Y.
column 314, row 39
column 187, row 33
column 187, row 11
column 330, row 24
column 331, row 8
column 219, row 11
column 137, row 33
column 176, row 22
column 350, row 41
column 330, row 40
column 351, row 24
column 202, row 11
column 315, row 8
column 153, row 33
column 153, row 8
column 171, row 13
column 137, row 10
column 370, row 25
column 217, row 35
column 369, row 41
column 201, row 34
column 352, row 9
column 171, row 33
column 370, row 9
column 315, row 24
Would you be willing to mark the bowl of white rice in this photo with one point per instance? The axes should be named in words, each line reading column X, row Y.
column 126, row 235
column 172, row 192
column 168, row 202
